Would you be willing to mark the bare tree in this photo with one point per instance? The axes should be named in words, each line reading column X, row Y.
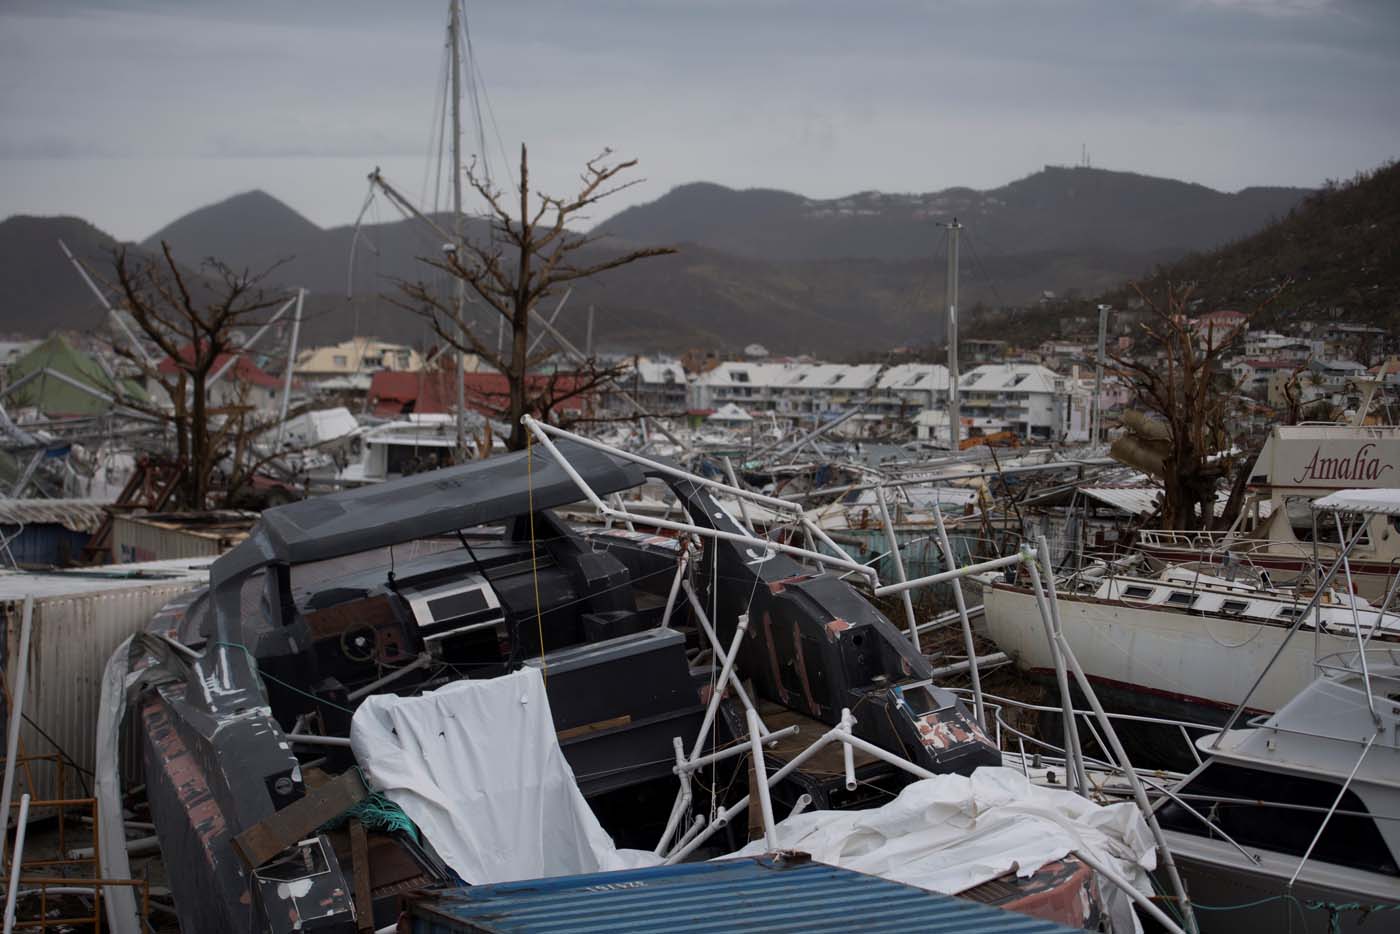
column 530, row 254
column 1184, row 398
column 192, row 321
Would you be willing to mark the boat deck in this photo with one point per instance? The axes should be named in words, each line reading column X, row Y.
column 826, row 763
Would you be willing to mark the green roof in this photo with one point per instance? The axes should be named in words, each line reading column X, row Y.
column 54, row 397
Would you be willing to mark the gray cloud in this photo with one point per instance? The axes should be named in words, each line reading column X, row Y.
column 130, row 113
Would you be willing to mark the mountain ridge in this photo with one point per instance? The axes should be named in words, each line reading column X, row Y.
column 1076, row 206
column 797, row 274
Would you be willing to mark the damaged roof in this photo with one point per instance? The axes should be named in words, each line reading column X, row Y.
column 75, row 515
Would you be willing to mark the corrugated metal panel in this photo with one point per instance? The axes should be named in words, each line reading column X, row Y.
column 762, row 894
column 1142, row 501
column 72, row 638
column 46, row 545
column 15, row 584
column 76, row 515
column 1135, row 501
column 134, row 539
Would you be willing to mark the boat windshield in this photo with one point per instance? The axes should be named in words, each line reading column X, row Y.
column 1300, row 519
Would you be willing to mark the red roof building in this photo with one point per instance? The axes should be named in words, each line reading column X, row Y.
column 432, row 392
column 244, row 370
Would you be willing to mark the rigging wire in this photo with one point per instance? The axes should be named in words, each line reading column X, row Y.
column 979, row 268
column 479, row 87
column 437, row 127
column 919, row 294
column 1011, row 257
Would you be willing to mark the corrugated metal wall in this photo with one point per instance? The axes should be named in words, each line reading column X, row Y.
column 73, row 636
column 47, row 545
column 133, row 540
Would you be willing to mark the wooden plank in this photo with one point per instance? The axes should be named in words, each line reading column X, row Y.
column 298, row 820
column 575, row 731
column 828, row 761
column 359, row 858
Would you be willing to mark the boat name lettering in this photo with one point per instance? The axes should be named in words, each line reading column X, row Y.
column 1363, row 466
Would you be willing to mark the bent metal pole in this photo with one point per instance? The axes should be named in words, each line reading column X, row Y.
column 968, row 644
column 542, row 433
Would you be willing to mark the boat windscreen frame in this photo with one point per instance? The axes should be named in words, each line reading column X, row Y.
column 438, row 502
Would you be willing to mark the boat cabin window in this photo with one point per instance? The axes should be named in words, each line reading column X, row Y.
column 1232, row 795
column 1136, row 592
column 1291, row 611
column 1234, row 607
column 1300, row 519
column 1181, row 598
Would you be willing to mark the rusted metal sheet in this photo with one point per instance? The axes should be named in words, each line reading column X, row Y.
column 73, row 637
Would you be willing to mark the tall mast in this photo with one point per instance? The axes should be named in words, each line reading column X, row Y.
column 454, row 27
column 1096, row 420
column 954, row 418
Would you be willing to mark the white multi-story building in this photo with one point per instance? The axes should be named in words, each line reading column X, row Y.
column 908, row 388
column 794, row 390
column 1030, row 400
column 819, row 389
column 746, row 384
column 659, row 386
column 1025, row 398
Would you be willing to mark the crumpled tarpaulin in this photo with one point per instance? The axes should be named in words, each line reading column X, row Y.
column 477, row 766
column 950, row 833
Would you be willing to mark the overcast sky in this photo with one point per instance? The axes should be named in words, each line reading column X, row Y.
column 132, row 112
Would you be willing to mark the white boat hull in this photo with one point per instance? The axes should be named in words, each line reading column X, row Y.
column 1189, row 658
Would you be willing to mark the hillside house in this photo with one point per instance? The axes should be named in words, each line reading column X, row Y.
column 243, row 383
column 357, row 356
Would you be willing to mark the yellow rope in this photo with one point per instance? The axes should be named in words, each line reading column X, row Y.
column 534, row 564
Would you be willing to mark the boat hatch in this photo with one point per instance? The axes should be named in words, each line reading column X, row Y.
column 452, row 607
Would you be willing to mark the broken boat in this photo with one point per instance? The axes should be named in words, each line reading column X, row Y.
column 241, row 697
column 1298, row 464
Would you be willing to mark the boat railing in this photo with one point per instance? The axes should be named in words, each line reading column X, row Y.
column 1003, row 732
column 1349, row 662
column 1182, row 538
column 1160, row 781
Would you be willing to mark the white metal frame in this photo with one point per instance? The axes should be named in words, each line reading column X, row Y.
column 543, row 433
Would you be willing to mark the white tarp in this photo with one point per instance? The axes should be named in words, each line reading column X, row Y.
column 477, row 766
column 950, row 833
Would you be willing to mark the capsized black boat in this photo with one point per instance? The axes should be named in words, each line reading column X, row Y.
column 466, row 572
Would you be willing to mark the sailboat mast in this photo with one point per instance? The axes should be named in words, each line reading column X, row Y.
column 954, row 418
column 454, row 28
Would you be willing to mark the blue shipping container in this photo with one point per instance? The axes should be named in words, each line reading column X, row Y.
column 767, row 893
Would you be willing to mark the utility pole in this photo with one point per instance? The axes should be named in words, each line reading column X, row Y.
column 1096, row 417
column 454, row 27
column 954, row 417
